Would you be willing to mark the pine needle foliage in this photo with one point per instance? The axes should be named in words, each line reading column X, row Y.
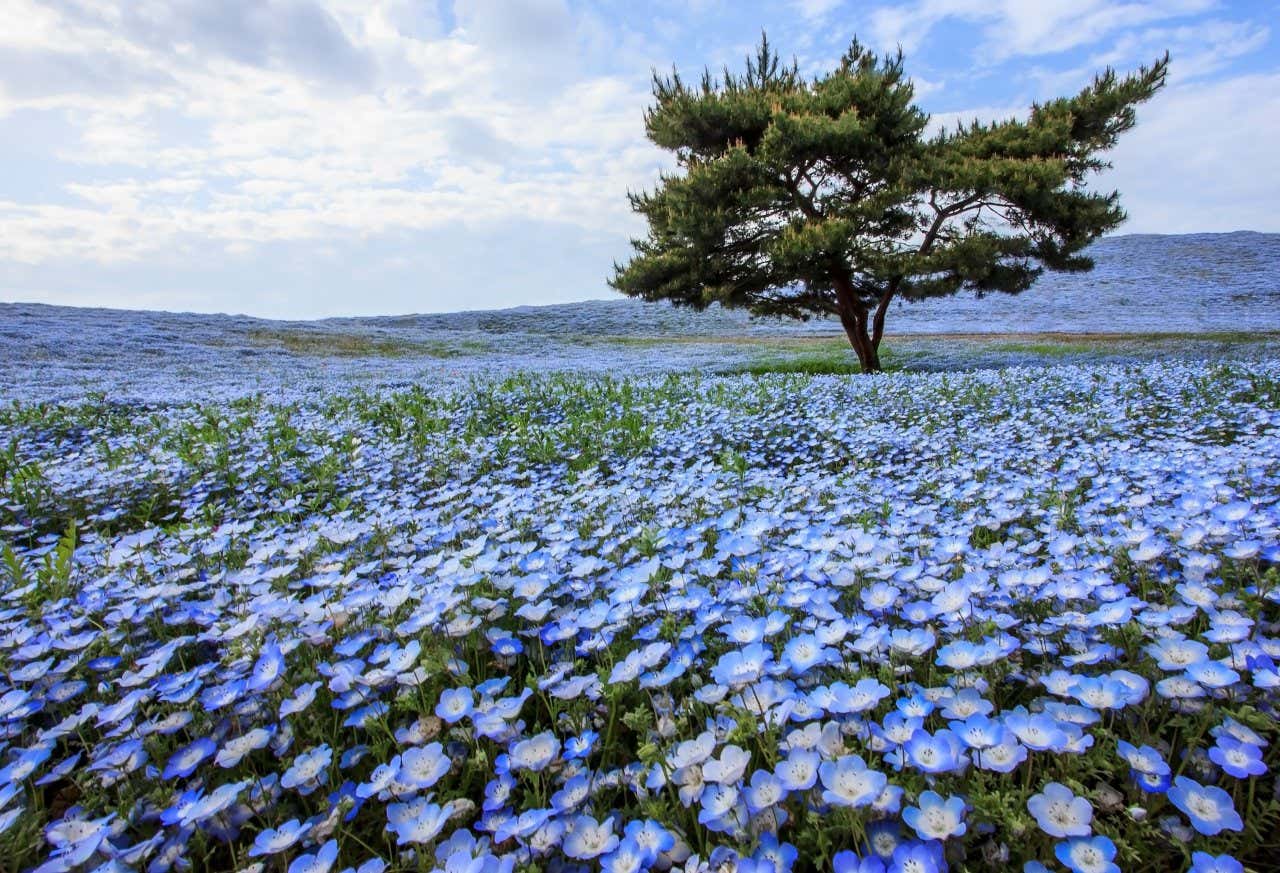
column 828, row 196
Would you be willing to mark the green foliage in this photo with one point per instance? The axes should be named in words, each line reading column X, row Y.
column 809, row 364
column 47, row 580
column 801, row 197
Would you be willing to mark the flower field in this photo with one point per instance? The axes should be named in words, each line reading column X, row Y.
column 1025, row 618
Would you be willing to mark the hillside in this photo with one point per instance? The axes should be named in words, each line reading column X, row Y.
column 1199, row 284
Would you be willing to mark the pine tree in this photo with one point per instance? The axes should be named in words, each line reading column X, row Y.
column 800, row 197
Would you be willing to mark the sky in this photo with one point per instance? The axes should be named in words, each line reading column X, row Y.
column 314, row 158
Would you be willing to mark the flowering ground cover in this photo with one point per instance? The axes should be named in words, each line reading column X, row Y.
column 1022, row 618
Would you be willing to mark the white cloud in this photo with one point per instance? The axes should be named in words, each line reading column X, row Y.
column 815, row 10
column 1016, row 27
column 243, row 147
column 1197, row 50
column 1203, row 158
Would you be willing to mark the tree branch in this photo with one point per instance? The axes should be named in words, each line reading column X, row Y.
column 943, row 213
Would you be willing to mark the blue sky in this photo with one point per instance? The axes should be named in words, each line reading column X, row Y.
column 308, row 158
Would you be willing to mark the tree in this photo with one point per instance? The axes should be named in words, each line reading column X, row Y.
column 800, row 197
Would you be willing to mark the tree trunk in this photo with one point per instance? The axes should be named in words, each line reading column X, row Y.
column 855, row 327
column 877, row 322
column 853, row 317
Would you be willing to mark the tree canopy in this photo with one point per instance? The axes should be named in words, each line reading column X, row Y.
column 828, row 196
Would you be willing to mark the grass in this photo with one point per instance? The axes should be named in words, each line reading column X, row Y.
column 350, row 345
column 809, row 354
column 830, row 355
column 818, row 356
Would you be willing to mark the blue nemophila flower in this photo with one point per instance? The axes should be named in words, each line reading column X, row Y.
column 1088, row 855
column 1203, row 862
column 729, row 767
column 455, row 563
column 895, row 729
column 651, row 837
column 849, row 862
column 924, row 857
column 204, row 807
column 274, row 840
column 1209, row 808
column 1143, row 759
column 380, row 779
column 178, row 810
column 75, row 840
column 1040, row 733
column 321, row 861
column 234, row 750
column 1100, row 692
column 1004, row 757
column 965, row 703
column 628, row 857
column 580, row 746
column 849, row 782
column 588, row 838
column 1245, row 734
column 936, row 818
column 1152, row 783
column 62, row 692
column 940, row 752
column 889, row 800
column 126, row 756
column 798, row 771
column 803, row 652
column 497, row 792
column 184, row 761
column 169, row 724
column 839, row 697
column 224, row 695
column 9, row 816
column 884, row 837
column 26, row 763
column 523, row 825
column 980, row 731
column 879, row 596
column 575, row 792
column 363, row 716
column 12, row 702
column 455, row 704
column 417, row 820
column 693, row 752
column 740, row 667
column 353, row 756
column 302, row 697
column 535, row 753
column 765, row 790
column 916, row 706
column 400, row 659
column 912, row 642
column 1236, row 758
column 775, row 856
column 1213, row 674
column 959, row 655
column 718, row 801
column 1060, row 813
column 60, row 771
column 1177, row 653
column 424, row 766
column 506, row 647
column 267, row 669
column 309, row 770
